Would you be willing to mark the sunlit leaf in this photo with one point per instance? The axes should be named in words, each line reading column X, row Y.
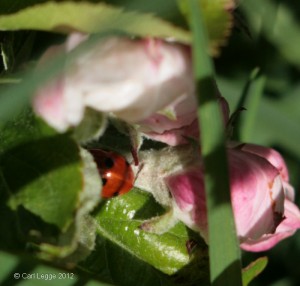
column 218, row 19
column 119, row 221
column 89, row 18
column 254, row 269
column 127, row 246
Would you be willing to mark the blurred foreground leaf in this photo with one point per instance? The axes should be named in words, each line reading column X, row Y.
column 87, row 17
column 13, row 98
column 91, row 18
column 224, row 251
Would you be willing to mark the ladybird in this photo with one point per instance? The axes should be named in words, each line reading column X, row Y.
column 116, row 173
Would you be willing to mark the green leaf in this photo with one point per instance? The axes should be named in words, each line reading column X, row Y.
column 26, row 271
column 254, row 269
column 7, row 6
column 225, row 266
column 90, row 18
column 79, row 239
column 250, row 100
column 253, row 103
column 119, row 221
column 218, row 19
column 40, row 172
column 122, row 247
column 117, row 266
column 128, row 248
column 81, row 16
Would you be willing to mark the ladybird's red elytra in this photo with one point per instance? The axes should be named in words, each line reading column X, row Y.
column 116, row 173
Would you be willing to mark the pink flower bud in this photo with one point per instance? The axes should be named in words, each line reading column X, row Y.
column 182, row 124
column 271, row 155
column 176, row 136
column 262, row 199
column 130, row 78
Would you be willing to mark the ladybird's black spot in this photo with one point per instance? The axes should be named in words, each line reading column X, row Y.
column 115, row 194
column 104, row 181
column 109, row 163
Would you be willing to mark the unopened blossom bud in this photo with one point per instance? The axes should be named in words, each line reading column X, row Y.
column 178, row 122
column 131, row 79
column 262, row 199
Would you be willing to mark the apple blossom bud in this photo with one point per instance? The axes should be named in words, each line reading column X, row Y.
column 130, row 78
column 179, row 121
column 263, row 210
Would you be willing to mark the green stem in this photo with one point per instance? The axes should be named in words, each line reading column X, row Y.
column 224, row 251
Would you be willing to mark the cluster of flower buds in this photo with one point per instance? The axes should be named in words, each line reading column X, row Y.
column 149, row 83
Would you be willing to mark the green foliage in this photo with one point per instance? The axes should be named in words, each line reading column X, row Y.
column 275, row 122
column 225, row 269
column 251, row 97
column 26, row 271
column 37, row 171
column 47, row 190
column 278, row 25
column 95, row 18
column 119, row 220
column 216, row 18
column 122, row 247
column 63, row 17
column 254, row 269
column 273, row 48
column 112, row 264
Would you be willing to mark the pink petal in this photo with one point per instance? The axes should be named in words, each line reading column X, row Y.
column 257, row 194
column 178, row 136
column 130, row 78
column 188, row 192
column 287, row 228
column 177, row 131
column 271, row 155
column 49, row 104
